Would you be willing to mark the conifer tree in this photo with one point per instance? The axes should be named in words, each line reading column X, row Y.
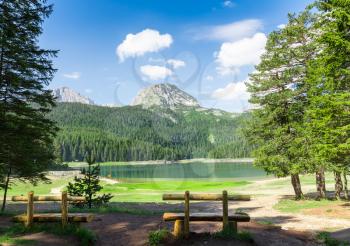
column 25, row 71
column 328, row 116
column 278, row 88
column 89, row 185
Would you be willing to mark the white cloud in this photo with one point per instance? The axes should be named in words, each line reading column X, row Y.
column 73, row 75
column 143, row 42
column 155, row 73
column 281, row 26
column 232, row 92
column 88, row 91
column 233, row 55
column 176, row 63
column 229, row 32
column 228, row 4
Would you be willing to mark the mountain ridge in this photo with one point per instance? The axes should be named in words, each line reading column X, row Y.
column 164, row 95
column 66, row 94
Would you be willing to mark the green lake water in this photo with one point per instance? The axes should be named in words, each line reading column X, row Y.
column 197, row 170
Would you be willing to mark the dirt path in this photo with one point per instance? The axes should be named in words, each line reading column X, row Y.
column 132, row 230
column 261, row 208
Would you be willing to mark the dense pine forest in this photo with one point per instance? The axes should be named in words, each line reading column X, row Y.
column 133, row 133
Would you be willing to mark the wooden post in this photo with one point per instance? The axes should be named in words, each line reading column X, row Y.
column 30, row 209
column 187, row 215
column 232, row 225
column 64, row 208
column 224, row 210
column 178, row 228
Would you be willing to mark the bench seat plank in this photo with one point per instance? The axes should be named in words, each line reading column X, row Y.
column 55, row 217
column 239, row 217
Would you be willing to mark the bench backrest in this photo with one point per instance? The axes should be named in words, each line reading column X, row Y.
column 64, row 199
column 205, row 197
column 224, row 197
column 48, row 198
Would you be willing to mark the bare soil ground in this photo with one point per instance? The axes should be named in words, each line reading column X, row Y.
column 132, row 230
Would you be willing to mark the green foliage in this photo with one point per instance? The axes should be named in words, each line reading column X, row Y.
column 328, row 117
column 327, row 240
column 85, row 236
column 155, row 238
column 7, row 239
column 230, row 234
column 279, row 88
column 132, row 133
column 25, row 71
column 88, row 186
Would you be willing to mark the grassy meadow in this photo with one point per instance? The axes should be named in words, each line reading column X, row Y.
column 132, row 192
column 151, row 191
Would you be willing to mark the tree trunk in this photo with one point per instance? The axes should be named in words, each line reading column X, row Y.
column 321, row 183
column 346, row 192
column 296, row 186
column 5, row 190
column 338, row 185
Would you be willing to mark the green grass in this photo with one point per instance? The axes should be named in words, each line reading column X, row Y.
column 11, row 234
column 152, row 191
column 293, row 206
column 134, row 192
column 307, row 179
column 22, row 188
column 14, row 241
column 327, row 240
column 155, row 238
column 229, row 234
column 265, row 222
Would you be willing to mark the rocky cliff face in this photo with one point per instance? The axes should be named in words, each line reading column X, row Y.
column 65, row 94
column 164, row 95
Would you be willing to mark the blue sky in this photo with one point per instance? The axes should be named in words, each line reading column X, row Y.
column 110, row 49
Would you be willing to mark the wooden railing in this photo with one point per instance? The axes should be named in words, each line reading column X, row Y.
column 28, row 218
column 182, row 220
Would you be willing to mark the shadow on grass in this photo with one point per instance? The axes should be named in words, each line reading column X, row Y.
column 12, row 234
column 342, row 235
column 272, row 220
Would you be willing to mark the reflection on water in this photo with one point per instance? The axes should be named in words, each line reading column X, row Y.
column 183, row 171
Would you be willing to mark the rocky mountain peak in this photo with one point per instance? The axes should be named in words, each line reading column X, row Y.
column 165, row 95
column 65, row 94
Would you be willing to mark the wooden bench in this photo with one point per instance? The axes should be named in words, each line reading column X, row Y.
column 182, row 220
column 64, row 217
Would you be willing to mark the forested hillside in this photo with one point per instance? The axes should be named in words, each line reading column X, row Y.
column 132, row 133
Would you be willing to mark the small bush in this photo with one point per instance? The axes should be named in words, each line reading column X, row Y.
column 155, row 238
column 229, row 234
column 329, row 241
column 85, row 236
column 88, row 185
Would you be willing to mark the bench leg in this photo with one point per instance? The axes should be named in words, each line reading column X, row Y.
column 178, row 228
column 232, row 226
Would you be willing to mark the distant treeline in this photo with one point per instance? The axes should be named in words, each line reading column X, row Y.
column 132, row 133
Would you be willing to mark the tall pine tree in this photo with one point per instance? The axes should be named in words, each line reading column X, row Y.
column 278, row 88
column 328, row 116
column 25, row 69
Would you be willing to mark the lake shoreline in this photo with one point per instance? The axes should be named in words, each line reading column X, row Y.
column 163, row 162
